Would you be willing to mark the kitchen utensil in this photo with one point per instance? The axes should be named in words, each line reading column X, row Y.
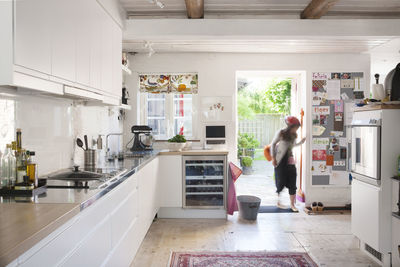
column 79, row 143
column 90, row 158
column 86, row 142
column 300, row 194
column 143, row 139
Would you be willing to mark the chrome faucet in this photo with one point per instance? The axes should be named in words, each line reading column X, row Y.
column 107, row 148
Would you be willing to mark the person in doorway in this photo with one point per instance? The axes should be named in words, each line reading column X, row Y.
column 283, row 160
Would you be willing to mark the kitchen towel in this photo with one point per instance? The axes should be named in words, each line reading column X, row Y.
column 233, row 174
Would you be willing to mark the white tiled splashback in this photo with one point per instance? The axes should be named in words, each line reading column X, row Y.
column 50, row 127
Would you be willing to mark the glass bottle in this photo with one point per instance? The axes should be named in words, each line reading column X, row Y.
column 19, row 138
column 5, row 172
column 31, row 168
column 21, row 165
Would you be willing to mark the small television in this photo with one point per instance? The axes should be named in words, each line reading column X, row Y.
column 215, row 134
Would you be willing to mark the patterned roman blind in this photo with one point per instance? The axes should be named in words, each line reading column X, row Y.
column 173, row 83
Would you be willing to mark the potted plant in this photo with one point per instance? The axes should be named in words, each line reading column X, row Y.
column 247, row 163
column 247, row 145
column 177, row 143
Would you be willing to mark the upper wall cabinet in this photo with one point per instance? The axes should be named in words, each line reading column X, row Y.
column 60, row 43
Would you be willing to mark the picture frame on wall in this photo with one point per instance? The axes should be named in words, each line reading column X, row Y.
column 216, row 108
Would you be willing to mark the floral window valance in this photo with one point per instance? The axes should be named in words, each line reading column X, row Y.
column 175, row 83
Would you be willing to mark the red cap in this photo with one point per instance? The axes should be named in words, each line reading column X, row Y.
column 292, row 121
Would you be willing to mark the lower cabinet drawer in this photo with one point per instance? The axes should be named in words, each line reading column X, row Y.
column 123, row 216
column 94, row 249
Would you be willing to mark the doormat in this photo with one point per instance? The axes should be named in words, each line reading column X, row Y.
column 242, row 259
column 274, row 209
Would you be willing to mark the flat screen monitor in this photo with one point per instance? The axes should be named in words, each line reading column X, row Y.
column 215, row 131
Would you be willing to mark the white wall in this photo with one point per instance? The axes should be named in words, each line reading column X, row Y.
column 50, row 125
column 217, row 73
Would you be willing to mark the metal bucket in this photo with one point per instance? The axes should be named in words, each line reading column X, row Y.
column 90, row 158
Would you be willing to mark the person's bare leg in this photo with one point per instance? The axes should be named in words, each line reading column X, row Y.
column 292, row 203
column 279, row 203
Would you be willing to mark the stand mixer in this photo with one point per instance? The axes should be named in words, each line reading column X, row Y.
column 142, row 139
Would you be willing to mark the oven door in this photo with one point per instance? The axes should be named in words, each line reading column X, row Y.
column 366, row 151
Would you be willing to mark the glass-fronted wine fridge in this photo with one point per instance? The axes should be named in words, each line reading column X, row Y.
column 204, row 182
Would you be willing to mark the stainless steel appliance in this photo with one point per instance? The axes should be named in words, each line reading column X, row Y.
column 204, row 180
column 366, row 149
column 142, row 139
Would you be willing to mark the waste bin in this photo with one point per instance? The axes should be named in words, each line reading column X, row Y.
column 248, row 207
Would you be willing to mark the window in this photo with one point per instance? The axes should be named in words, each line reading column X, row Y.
column 169, row 114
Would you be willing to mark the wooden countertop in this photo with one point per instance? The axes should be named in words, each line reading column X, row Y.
column 22, row 225
column 195, row 152
column 377, row 107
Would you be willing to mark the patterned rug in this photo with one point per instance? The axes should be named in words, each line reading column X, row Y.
column 242, row 259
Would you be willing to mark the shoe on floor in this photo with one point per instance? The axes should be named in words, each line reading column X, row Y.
column 314, row 206
column 320, row 206
column 294, row 209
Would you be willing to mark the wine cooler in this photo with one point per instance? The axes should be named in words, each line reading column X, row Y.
column 204, row 182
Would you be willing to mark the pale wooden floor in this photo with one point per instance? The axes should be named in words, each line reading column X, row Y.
column 327, row 238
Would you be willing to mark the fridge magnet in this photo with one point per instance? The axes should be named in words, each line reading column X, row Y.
column 333, row 89
column 319, row 154
column 338, row 106
column 318, row 130
column 345, row 76
column 358, row 94
column 335, row 76
column 320, row 75
column 320, row 143
column 343, row 153
column 324, row 110
column 347, row 83
column 329, row 160
column 338, row 116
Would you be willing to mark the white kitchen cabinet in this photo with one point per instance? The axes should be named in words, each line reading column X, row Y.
column 107, row 55
column 33, row 34
column 148, row 195
column 63, row 42
column 365, row 204
column 52, row 43
column 170, row 181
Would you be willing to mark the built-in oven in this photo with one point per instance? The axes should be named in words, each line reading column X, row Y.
column 366, row 150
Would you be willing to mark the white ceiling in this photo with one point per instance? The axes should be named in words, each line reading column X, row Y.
column 321, row 45
column 262, row 8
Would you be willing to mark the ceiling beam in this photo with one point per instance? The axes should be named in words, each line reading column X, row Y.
column 195, row 9
column 317, row 8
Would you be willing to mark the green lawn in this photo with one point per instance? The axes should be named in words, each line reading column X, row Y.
column 259, row 154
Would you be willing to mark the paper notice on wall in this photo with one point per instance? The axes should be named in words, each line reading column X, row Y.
column 339, row 163
column 342, row 142
column 348, row 115
column 333, row 89
column 319, row 98
column 339, row 105
column 318, row 130
column 320, row 143
column 320, row 168
column 329, row 160
column 319, row 154
column 324, row 110
column 347, row 83
column 344, row 97
column 339, row 178
column 343, row 153
column 359, row 84
column 320, row 75
column 336, row 133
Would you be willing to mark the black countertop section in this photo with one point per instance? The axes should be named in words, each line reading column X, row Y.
column 86, row 196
